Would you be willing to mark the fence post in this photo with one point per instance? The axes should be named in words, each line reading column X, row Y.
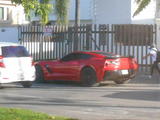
column 88, row 36
column 158, row 33
column 20, row 34
column 75, row 42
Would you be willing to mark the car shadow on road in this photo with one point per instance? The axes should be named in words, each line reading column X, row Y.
column 65, row 102
column 71, row 84
column 141, row 78
column 150, row 95
column 52, row 102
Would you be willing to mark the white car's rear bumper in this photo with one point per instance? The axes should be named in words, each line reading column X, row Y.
column 6, row 77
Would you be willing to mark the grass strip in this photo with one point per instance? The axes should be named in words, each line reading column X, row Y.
column 23, row 114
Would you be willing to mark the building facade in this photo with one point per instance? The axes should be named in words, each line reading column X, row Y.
column 91, row 12
column 109, row 12
column 85, row 12
column 11, row 14
column 121, row 12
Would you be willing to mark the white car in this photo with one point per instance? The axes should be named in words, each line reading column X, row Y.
column 16, row 65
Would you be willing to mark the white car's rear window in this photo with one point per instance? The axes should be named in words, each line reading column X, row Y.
column 14, row 51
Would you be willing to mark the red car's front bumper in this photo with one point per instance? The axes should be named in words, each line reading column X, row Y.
column 120, row 74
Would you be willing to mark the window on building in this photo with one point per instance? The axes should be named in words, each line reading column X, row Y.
column 1, row 13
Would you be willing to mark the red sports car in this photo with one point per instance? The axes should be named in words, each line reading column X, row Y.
column 88, row 68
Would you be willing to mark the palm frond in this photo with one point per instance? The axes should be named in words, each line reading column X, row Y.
column 142, row 4
column 138, row 1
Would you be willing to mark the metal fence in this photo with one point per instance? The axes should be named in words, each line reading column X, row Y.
column 53, row 42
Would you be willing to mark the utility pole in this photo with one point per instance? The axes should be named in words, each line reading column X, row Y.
column 77, row 13
column 77, row 23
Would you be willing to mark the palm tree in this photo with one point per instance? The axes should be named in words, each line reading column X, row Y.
column 61, row 8
column 43, row 8
column 141, row 5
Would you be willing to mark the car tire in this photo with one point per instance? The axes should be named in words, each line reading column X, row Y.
column 1, row 86
column 88, row 77
column 26, row 84
column 39, row 74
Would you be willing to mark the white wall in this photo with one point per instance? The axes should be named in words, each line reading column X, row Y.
column 8, row 34
column 121, row 12
column 13, row 14
column 18, row 15
column 85, row 9
column 112, row 11
column 158, row 33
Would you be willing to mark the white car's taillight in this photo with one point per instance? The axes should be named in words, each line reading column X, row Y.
column 32, row 62
column 1, row 62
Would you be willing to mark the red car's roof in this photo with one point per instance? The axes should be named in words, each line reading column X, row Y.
column 97, row 53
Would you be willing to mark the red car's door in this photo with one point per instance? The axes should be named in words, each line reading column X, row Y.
column 67, row 68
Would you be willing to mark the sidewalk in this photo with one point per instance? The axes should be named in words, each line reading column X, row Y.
column 143, row 78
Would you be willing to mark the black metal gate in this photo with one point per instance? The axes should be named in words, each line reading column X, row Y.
column 53, row 42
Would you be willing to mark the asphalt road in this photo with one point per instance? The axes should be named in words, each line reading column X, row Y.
column 137, row 100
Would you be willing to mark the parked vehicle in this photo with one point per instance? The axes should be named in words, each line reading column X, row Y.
column 16, row 65
column 88, row 68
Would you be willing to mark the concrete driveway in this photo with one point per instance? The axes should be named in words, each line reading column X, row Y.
column 137, row 100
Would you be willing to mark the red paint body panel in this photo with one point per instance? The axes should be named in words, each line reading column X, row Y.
column 70, row 70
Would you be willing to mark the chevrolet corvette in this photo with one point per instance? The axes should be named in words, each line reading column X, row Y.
column 88, row 68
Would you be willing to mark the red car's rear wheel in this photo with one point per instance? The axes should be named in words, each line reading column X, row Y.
column 88, row 77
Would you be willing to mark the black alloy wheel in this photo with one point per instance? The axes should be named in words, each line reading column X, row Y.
column 88, row 77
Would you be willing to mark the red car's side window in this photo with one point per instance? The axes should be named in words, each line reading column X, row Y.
column 69, row 57
column 76, row 56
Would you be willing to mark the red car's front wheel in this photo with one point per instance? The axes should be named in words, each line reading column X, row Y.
column 39, row 74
